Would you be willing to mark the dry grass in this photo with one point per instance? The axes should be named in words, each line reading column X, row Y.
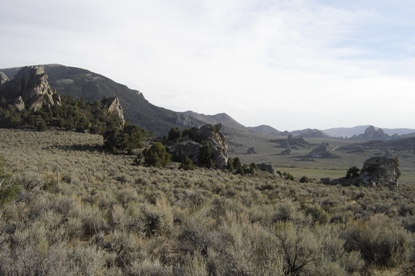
column 81, row 211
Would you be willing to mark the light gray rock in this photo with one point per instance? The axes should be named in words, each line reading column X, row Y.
column 3, row 78
column 114, row 106
column 31, row 86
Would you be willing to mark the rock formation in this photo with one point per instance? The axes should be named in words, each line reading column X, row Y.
column 380, row 171
column 29, row 89
column 372, row 134
column 251, row 150
column 114, row 106
column 206, row 135
column 322, row 151
column 376, row 171
column 3, row 78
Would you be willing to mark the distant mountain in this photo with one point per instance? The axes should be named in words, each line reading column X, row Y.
column 81, row 83
column 310, row 133
column 265, row 129
column 371, row 134
column 399, row 131
column 348, row 132
column 222, row 118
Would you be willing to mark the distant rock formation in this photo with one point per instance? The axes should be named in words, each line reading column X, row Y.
column 376, row 171
column 191, row 145
column 251, row 150
column 29, row 89
column 114, row 106
column 372, row 134
column 322, row 151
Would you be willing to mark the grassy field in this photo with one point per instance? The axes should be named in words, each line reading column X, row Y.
column 68, row 208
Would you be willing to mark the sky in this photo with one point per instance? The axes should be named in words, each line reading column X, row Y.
column 290, row 64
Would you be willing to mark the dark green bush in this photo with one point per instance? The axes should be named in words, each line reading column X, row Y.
column 174, row 134
column 187, row 164
column 304, row 179
column 156, row 155
column 352, row 172
column 125, row 139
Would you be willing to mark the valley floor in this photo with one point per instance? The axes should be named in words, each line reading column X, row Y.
column 68, row 208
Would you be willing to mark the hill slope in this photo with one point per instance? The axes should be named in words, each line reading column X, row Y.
column 91, row 86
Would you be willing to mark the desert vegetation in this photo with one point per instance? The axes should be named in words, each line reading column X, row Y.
column 72, row 114
column 70, row 208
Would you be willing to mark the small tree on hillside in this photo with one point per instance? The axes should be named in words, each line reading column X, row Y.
column 205, row 155
column 125, row 139
column 174, row 134
column 156, row 155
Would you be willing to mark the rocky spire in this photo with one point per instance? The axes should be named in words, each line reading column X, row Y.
column 30, row 89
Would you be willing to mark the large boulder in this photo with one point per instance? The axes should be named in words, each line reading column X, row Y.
column 251, row 150
column 29, row 88
column 207, row 136
column 376, row 171
column 380, row 171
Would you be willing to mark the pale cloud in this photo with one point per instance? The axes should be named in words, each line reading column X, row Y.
column 289, row 64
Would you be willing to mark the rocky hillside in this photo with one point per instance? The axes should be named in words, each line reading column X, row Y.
column 265, row 129
column 221, row 118
column 82, row 83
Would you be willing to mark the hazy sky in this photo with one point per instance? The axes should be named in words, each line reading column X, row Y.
column 290, row 64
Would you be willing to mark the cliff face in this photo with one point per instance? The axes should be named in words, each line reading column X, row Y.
column 29, row 89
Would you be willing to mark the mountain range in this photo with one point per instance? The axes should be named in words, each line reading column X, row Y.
column 81, row 83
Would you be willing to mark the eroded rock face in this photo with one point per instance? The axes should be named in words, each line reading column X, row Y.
column 31, row 88
column 114, row 106
column 207, row 134
column 3, row 78
column 380, row 171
